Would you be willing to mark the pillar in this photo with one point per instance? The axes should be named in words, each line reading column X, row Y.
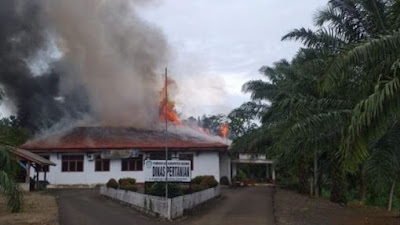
column 273, row 174
column 234, row 170
column 28, row 172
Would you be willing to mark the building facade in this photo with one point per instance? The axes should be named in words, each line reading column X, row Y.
column 87, row 158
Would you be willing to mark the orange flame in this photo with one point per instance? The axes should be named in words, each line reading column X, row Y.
column 224, row 130
column 167, row 107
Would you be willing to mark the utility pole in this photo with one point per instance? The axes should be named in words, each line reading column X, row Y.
column 166, row 135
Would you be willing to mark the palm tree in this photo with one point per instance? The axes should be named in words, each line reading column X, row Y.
column 8, row 186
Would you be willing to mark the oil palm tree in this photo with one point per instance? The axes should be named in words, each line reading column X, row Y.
column 8, row 186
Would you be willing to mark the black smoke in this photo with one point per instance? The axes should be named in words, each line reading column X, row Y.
column 22, row 35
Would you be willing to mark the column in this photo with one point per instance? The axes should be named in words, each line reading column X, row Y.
column 234, row 172
column 273, row 174
column 28, row 172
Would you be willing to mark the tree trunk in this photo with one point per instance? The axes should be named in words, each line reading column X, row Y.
column 302, row 176
column 338, row 185
column 316, row 190
column 391, row 195
column 363, row 185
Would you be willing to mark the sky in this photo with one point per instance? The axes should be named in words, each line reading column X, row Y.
column 217, row 46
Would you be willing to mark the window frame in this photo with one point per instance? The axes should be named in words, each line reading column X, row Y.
column 69, row 162
column 102, row 164
column 134, row 161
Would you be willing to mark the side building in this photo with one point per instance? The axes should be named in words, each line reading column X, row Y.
column 93, row 155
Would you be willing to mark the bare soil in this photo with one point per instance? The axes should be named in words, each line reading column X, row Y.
column 38, row 209
column 292, row 208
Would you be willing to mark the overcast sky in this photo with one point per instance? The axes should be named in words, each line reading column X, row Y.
column 219, row 45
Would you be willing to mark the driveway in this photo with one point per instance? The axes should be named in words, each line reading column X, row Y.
column 244, row 206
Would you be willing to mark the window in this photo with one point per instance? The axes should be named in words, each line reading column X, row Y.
column 44, row 168
column 102, row 164
column 187, row 157
column 72, row 163
column 132, row 164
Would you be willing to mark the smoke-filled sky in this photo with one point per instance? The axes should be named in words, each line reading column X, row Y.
column 102, row 60
column 219, row 45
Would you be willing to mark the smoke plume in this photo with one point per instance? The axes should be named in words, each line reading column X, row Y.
column 109, row 65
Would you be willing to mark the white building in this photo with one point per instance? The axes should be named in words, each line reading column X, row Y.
column 93, row 155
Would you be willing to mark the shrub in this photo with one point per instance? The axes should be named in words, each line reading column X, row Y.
column 130, row 180
column 197, row 180
column 187, row 191
column 158, row 189
column 224, row 181
column 198, row 187
column 112, row 183
column 209, row 182
column 240, row 175
column 127, row 186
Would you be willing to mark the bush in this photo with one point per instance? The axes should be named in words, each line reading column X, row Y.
column 198, row 187
column 224, row 181
column 240, row 175
column 158, row 189
column 130, row 180
column 187, row 191
column 112, row 183
column 127, row 186
column 197, row 180
column 209, row 182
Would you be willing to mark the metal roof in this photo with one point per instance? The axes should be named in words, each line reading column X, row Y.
column 27, row 155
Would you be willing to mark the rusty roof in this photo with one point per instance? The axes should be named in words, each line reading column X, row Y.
column 97, row 138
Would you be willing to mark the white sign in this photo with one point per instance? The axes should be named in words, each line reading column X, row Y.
column 178, row 171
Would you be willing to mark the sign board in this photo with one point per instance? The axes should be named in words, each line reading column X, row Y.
column 178, row 171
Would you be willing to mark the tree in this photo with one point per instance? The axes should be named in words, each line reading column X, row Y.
column 8, row 186
column 10, row 135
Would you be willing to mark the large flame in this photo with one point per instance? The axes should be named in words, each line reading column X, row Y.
column 224, row 130
column 167, row 107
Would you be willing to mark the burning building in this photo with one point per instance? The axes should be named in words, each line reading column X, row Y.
column 92, row 155
column 98, row 61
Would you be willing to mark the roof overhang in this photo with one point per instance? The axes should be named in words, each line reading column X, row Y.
column 30, row 156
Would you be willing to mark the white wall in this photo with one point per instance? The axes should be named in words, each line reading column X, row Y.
column 225, row 165
column 204, row 163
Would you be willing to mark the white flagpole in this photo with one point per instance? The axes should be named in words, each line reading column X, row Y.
column 166, row 135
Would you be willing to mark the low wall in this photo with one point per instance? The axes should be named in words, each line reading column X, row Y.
column 155, row 205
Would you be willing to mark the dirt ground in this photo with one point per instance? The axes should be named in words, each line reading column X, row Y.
column 295, row 209
column 38, row 209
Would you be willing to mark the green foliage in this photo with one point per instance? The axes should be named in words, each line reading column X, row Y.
column 158, row 189
column 8, row 185
column 128, row 186
column 241, row 175
column 112, row 183
column 209, row 182
column 198, row 187
column 205, row 181
column 129, row 180
column 197, row 180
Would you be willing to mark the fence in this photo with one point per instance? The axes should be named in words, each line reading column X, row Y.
column 158, row 206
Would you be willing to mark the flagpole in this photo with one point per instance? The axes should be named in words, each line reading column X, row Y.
column 166, row 134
